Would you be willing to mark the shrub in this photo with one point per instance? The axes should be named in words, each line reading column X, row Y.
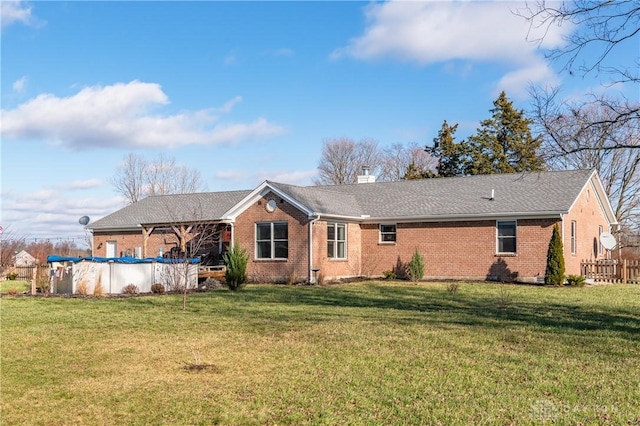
column 157, row 288
column 130, row 289
column 389, row 275
column 83, row 288
column 416, row 266
column 12, row 291
column 236, row 260
column 453, row 287
column 98, row 290
column 11, row 276
column 554, row 273
column 576, row 280
column 44, row 286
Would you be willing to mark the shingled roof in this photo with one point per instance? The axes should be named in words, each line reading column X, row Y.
column 523, row 194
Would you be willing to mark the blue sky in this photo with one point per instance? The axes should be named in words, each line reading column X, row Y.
column 241, row 91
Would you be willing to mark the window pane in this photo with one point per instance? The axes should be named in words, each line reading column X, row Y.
column 330, row 248
column 280, row 231
column 331, row 232
column 264, row 231
column 507, row 245
column 282, row 249
column 264, row 250
column 341, row 247
column 388, row 237
column 341, row 232
column 387, row 228
column 506, row 229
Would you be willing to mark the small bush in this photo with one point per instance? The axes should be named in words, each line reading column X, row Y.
column 236, row 260
column 416, row 266
column 389, row 275
column 157, row 288
column 12, row 291
column 98, row 290
column 576, row 280
column 452, row 288
column 320, row 279
column 130, row 289
column 11, row 276
column 44, row 286
column 83, row 288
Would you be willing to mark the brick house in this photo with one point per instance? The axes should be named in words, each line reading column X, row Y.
column 493, row 227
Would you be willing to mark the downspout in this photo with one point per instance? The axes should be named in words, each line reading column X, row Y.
column 562, row 233
column 311, row 223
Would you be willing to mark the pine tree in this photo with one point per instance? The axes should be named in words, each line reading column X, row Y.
column 554, row 273
column 504, row 143
column 450, row 155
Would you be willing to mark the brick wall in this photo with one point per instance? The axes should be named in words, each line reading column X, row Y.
column 588, row 216
column 296, row 267
column 461, row 249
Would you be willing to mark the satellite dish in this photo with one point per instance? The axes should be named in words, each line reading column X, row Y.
column 84, row 220
column 607, row 240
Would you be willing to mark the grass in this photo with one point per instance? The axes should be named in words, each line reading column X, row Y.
column 366, row 353
column 7, row 286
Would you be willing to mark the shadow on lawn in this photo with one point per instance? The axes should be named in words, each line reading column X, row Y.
column 431, row 305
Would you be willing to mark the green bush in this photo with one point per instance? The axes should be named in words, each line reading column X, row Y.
column 416, row 266
column 389, row 275
column 11, row 276
column 554, row 274
column 576, row 280
column 236, row 260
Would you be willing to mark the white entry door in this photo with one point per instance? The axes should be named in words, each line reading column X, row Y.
column 111, row 248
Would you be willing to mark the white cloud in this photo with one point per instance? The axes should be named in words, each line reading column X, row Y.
column 16, row 11
column 81, row 185
column 20, row 85
column 121, row 115
column 429, row 32
column 51, row 213
column 292, row 177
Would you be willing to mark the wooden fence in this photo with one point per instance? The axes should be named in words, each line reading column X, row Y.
column 611, row 270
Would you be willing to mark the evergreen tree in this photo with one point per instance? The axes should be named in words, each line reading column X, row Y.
column 504, row 143
column 450, row 155
column 415, row 172
column 554, row 273
column 416, row 266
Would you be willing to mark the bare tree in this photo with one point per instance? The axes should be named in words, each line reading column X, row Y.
column 196, row 239
column 586, row 135
column 601, row 26
column 129, row 179
column 398, row 159
column 10, row 245
column 137, row 178
column 342, row 160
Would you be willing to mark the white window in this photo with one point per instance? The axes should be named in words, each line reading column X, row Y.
column 388, row 233
column 506, row 236
column 600, row 248
column 574, row 237
column 336, row 241
column 272, row 240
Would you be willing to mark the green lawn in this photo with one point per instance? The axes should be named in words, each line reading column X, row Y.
column 7, row 286
column 371, row 353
